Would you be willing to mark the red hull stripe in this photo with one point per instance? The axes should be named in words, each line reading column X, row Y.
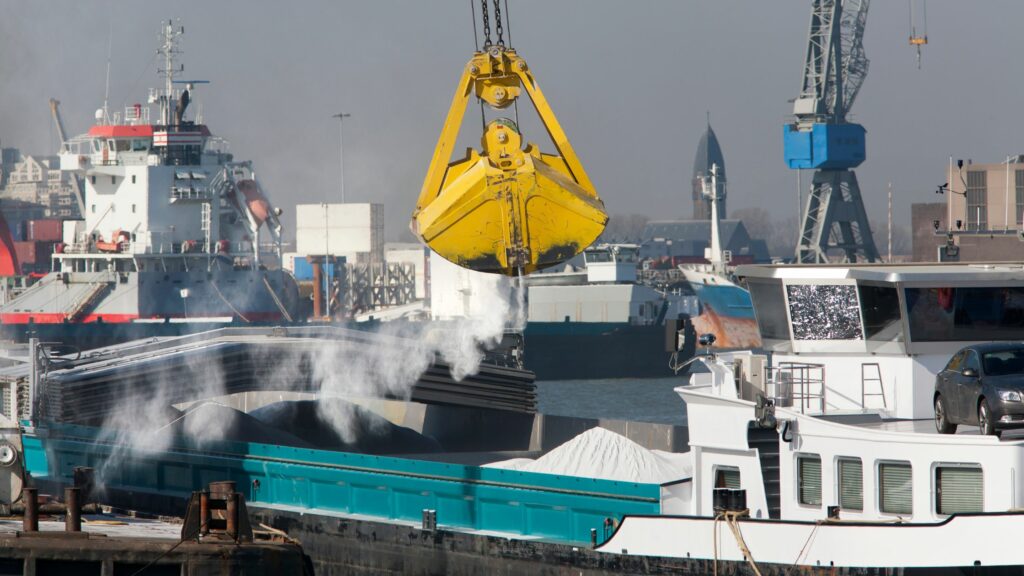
column 55, row 318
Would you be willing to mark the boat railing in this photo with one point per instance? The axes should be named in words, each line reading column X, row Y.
column 190, row 193
column 798, row 385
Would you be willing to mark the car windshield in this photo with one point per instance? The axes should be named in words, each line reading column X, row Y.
column 1004, row 362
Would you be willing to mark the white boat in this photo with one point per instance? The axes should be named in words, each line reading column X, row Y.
column 825, row 444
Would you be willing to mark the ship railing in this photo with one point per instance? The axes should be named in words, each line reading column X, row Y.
column 136, row 114
column 798, row 385
column 189, row 193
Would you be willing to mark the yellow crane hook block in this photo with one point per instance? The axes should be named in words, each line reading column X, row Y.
column 506, row 209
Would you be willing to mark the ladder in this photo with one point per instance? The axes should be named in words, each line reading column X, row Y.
column 865, row 378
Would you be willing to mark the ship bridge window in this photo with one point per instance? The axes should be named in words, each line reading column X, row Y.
column 770, row 309
column 140, row 145
column 96, row 146
column 122, row 145
column 895, row 490
column 727, row 477
column 965, row 314
column 880, row 307
column 824, row 312
column 626, row 255
column 958, row 489
column 598, row 256
column 809, row 479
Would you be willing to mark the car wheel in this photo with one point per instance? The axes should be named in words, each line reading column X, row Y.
column 942, row 423
column 985, row 422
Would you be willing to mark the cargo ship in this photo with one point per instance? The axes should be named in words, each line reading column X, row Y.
column 171, row 230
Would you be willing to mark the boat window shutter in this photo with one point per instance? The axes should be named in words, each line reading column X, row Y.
column 895, row 489
column 809, row 480
column 727, row 477
column 851, row 484
column 958, row 489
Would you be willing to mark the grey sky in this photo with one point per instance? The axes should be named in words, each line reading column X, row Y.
column 630, row 81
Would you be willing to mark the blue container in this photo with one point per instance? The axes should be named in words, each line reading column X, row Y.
column 827, row 146
column 304, row 270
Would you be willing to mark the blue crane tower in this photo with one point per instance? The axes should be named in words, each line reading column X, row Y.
column 834, row 220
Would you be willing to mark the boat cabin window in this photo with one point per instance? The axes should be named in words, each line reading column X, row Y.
column 958, row 489
column 809, row 479
column 965, row 314
column 123, row 145
column 626, row 255
column 598, row 256
column 850, row 472
column 96, row 146
column 140, row 145
column 824, row 312
column 895, row 491
column 770, row 308
column 880, row 307
column 727, row 477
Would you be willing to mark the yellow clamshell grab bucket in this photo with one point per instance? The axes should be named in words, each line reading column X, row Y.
column 506, row 209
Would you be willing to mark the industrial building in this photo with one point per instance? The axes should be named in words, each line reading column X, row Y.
column 37, row 180
column 353, row 231
column 984, row 214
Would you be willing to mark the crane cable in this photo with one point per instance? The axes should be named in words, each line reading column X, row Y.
column 487, row 24
column 499, row 24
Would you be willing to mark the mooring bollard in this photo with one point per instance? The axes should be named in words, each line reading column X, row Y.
column 204, row 513
column 30, row 497
column 231, row 515
column 73, row 504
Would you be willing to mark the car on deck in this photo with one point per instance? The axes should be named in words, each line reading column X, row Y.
column 982, row 385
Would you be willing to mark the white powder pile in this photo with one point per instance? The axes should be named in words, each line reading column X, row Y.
column 600, row 453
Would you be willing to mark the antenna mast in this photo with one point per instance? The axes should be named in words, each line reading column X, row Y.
column 106, row 89
column 169, row 49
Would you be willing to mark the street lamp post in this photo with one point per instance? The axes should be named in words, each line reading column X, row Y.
column 341, row 160
column 341, row 148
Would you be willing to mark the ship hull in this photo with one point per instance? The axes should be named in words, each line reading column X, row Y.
column 596, row 350
column 89, row 310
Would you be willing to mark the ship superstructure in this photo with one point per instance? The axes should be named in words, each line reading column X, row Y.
column 171, row 225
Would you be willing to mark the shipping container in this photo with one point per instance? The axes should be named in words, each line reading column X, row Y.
column 26, row 252
column 303, row 270
column 34, row 254
column 48, row 230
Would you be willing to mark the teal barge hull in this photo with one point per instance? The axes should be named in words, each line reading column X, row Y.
column 471, row 498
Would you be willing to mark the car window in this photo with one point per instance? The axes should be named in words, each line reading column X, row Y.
column 972, row 361
column 1003, row 362
column 954, row 362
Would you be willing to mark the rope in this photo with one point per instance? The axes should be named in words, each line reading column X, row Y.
column 807, row 542
column 731, row 518
column 169, row 550
column 228, row 302
column 280, row 306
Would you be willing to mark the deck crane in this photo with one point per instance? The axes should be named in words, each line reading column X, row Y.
column 508, row 208
column 76, row 185
column 822, row 139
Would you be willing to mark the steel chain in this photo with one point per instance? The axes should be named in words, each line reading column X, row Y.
column 497, row 20
column 487, row 24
